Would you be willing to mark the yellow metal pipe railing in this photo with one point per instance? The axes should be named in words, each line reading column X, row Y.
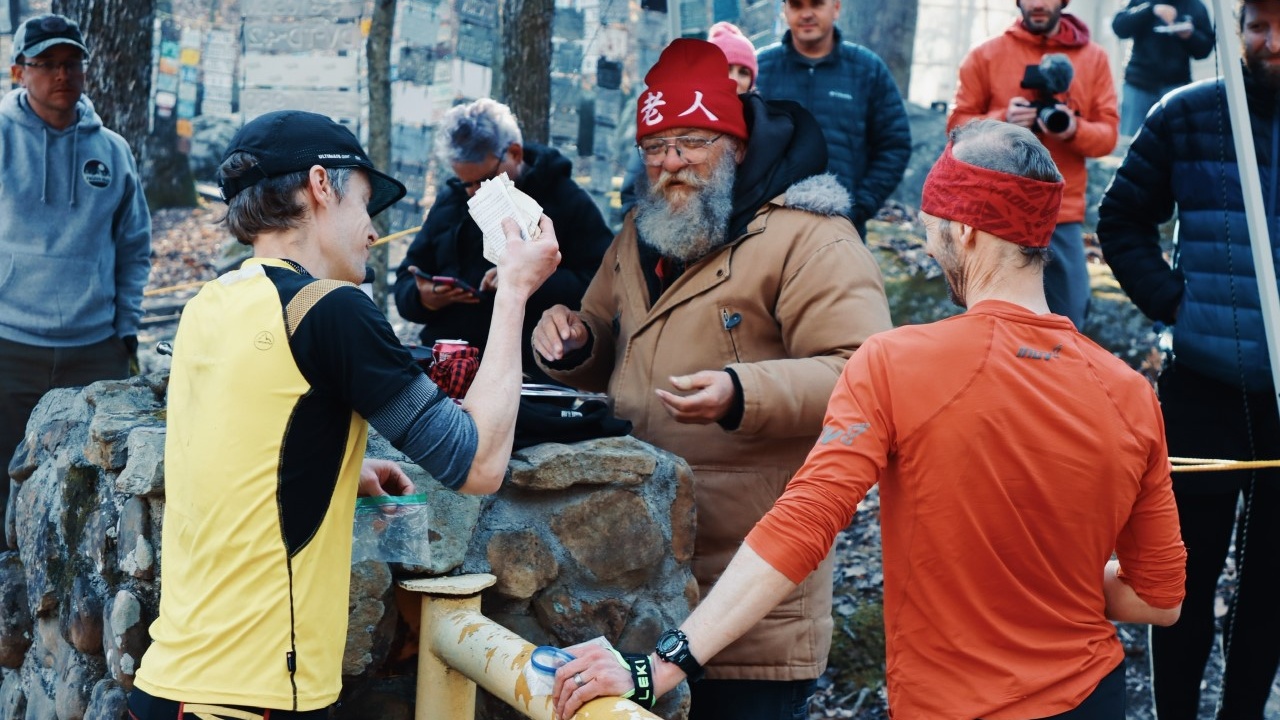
column 460, row 648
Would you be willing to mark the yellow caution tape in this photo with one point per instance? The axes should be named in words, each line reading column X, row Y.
column 1181, row 464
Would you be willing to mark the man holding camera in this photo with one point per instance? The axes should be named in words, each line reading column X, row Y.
column 1068, row 101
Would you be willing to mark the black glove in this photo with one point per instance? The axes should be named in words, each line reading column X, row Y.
column 131, row 347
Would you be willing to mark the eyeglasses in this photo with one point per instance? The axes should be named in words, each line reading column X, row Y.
column 692, row 149
column 73, row 67
column 475, row 184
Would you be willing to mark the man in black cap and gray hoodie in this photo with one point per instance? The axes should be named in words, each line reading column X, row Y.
column 75, row 233
column 277, row 367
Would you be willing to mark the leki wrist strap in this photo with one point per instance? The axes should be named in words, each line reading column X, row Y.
column 641, row 679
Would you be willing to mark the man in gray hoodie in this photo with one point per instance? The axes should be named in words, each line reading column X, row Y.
column 75, row 240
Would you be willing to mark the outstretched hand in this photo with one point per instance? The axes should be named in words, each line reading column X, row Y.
column 711, row 396
column 559, row 332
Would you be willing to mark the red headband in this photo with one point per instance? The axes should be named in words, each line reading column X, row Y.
column 1011, row 207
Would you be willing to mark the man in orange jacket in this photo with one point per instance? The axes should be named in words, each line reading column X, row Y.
column 992, row 86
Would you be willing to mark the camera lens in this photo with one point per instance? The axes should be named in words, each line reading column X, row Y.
column 1055, row 120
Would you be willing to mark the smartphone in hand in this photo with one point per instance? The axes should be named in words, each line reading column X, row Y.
column 450, row 281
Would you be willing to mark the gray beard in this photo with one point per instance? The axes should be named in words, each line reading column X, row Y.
column 701, row 225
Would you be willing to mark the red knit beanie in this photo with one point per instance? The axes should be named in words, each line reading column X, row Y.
column 690, row 87
column 735, row 46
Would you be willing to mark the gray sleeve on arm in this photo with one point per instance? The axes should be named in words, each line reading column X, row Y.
column 425, row 424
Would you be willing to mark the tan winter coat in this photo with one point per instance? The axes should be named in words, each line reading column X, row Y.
column 808, row 293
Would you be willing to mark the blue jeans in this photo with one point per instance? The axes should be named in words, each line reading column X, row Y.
column 1066, row 275
column 1135, row 104
column 751, row 699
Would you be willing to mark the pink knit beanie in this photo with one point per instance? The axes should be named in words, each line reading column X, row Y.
column 735, row 46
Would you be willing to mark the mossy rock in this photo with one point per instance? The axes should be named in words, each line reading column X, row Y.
column 857, row 658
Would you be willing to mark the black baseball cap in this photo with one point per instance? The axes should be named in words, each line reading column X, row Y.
column 37, row 34
column 289, row 141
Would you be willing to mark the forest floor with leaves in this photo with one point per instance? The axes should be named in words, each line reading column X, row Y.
column 189, row 248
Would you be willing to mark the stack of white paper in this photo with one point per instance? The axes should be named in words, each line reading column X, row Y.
column 500, row 198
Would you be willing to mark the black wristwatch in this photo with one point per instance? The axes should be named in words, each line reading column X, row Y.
column 673, row 647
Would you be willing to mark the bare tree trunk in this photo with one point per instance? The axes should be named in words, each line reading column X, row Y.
column 886, row 28
column 118, row 33
column 119, row 36
column 378, row 55
column 526, row 63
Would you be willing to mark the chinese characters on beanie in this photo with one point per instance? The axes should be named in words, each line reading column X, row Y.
column 690, row 87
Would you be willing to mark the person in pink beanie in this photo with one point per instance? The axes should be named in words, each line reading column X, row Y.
column 739, row 51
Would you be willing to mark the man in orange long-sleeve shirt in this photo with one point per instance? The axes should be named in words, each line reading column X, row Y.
column 991, row 79
column 1014, row 457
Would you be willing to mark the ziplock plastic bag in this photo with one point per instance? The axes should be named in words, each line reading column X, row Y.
column 393, row 529
column 540, row 672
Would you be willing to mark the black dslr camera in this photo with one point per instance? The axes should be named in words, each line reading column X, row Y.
column 1052, row 76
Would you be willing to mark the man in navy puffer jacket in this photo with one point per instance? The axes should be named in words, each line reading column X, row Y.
column 1216, row 391
column 849, row 90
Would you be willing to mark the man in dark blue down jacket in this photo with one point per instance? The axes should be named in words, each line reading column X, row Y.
column 1166, row 36
column 481, row 140
column 1216, row 390
column 849, row 90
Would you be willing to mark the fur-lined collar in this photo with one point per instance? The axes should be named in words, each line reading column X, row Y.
column 819, row 194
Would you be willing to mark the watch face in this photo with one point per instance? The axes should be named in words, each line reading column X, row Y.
column 669, row 643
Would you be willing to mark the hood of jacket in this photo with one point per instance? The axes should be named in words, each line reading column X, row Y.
column 785, row 145
column 1072, row 33
column 542, row 166
column 16, row 107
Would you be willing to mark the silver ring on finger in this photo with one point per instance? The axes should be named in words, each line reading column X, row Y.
column 435, row 288
column 577, row 678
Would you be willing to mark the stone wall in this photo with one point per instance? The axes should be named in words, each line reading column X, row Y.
column 592, row 539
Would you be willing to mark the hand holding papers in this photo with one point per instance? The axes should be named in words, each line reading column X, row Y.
column 496, row 199
column 1184, row 26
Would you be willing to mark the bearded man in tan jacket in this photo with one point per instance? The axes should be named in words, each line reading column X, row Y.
column 718, row 322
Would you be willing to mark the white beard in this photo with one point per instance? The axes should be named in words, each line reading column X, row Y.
column 699, row 226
